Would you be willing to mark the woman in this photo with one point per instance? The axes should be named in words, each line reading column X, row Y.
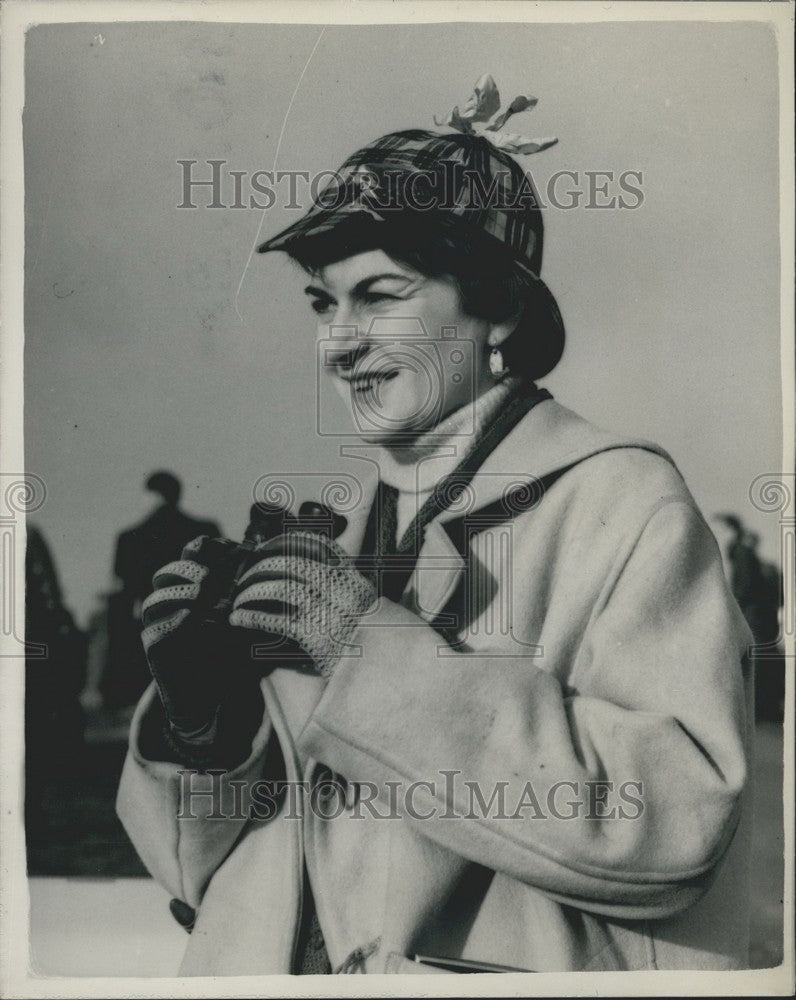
column 520, row 664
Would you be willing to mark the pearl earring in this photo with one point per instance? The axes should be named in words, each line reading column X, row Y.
column 496, row 364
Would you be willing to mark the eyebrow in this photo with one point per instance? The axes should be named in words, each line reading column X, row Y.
column 363, row 285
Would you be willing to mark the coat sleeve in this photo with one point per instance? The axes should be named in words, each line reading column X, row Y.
column 182, row 823
column 659, row 711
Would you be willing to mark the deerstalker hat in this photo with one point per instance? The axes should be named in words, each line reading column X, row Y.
column 460, row 180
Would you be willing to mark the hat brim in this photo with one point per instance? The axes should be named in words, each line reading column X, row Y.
column 314, row 224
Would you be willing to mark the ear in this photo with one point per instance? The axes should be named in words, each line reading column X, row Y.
column 500, row 332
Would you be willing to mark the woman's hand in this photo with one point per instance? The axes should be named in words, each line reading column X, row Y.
column 307, row 589
column 188, row 656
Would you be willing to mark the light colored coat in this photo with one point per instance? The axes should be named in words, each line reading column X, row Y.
column 603, row 644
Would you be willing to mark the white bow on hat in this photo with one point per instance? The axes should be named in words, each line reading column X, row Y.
column 483, row 105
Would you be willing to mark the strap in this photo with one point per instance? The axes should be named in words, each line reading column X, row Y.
column 390, row 566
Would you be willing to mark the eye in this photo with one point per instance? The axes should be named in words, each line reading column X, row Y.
column 371, row 297
column 321, row 305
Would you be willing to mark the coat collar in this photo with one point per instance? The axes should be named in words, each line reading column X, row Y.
column 548, row 440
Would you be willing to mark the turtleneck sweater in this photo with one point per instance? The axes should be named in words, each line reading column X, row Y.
column 414, row 468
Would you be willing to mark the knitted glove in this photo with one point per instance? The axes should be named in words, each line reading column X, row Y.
column 191, row 657
column 307, row 589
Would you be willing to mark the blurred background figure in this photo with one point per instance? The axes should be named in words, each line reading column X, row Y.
column 79, row 698
column 54, row 719
column 140, row 550
column 97, row 653
column 758, row 588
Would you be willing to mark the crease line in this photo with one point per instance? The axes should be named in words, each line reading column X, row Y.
column 273, row 168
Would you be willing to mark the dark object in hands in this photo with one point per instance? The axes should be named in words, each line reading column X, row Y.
column 266, row 521
column 198, row 659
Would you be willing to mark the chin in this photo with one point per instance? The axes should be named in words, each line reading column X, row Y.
column 383, row 424
column 390, row 431
column 386, row 437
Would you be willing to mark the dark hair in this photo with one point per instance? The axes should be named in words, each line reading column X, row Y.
column 167, row 485
column 492, row 285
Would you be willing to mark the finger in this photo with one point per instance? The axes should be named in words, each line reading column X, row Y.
column 261, row 621
column 272, row 596
column 280, row 625
column 180, row 571
column 286, row 567
column 154, row 633
column 302, row 614
column 165, row 601
column 334, row 589
column 305, row 545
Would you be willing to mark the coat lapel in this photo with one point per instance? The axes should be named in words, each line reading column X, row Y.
column 548, row 440
column 437, row 573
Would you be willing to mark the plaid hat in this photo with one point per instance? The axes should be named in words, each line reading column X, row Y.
column 453, row 180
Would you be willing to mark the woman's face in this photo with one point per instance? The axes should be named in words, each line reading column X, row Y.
column 400, row 348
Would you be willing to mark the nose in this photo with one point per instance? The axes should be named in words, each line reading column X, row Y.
column 345, row 358
column 342, row 347
column 344, row 341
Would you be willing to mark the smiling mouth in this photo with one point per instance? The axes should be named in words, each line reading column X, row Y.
column 369, row 381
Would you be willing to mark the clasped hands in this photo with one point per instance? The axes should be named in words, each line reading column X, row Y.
column 303, row 587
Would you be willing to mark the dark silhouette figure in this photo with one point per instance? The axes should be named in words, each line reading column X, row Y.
column 54, row 676
column 758, row 588
column 140, row 551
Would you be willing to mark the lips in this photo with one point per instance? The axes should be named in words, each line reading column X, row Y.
column 370, row 381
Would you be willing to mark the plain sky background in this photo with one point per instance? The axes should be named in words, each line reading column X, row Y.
column 135, row 355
